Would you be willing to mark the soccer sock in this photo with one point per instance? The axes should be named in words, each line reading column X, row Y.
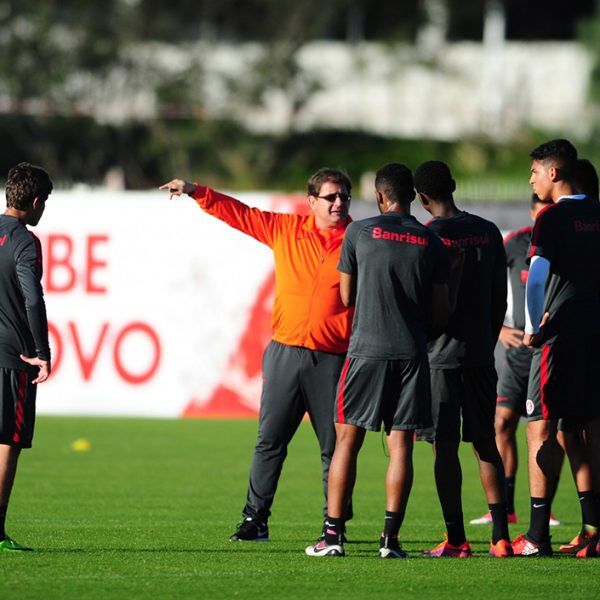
column 499, row 522
column 455, row 527
column 393, row 522
column 539, row 529
column 509, row 483
column 589, row 516
column 3, row 510
column 333, row 530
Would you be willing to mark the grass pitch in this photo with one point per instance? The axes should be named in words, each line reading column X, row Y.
column 146, row 511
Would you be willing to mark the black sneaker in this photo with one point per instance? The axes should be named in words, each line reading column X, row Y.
column 251, row 530
column 390, row 548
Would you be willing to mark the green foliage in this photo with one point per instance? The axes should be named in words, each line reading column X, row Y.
column 147, row 512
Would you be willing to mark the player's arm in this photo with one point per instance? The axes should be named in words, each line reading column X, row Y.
column 259, row 224
column 445, row 282
column 348, row 289
column 348, row 266
column 535, row 289
column 28, row 274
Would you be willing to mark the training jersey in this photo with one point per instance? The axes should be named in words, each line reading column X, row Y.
column 395, row 260
column 516, row 246
column 23, row 324
column 307, row 309
column 567, row 234
column 468, row 339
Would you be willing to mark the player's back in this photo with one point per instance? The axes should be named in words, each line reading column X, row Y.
column 397, row 262
column 567, row 234
column 467, row 339
column 17, row 244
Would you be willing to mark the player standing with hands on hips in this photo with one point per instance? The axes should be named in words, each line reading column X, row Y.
column 311, row 328
column 24, row 350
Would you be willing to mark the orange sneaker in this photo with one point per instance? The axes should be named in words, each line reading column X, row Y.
column 580, row 541
column 522, row 546
column 590, row 549
column 447, row 549
column 501, row 549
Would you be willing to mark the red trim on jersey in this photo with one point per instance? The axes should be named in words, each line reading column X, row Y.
column 340, row 399
column 521, row 231
column 544, row 378
column 20, row 408
column 501, row 399
column 532, row 251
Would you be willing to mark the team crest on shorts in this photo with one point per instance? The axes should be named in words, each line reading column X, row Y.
column 529, row 406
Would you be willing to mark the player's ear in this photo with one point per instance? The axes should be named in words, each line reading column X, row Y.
column 553, row 173
column 380, row 201
column 312, row 201
column 423, row 199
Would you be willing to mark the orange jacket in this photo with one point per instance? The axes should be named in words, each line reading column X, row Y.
column 307, row 310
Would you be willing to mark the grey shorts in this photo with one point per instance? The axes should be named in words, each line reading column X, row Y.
column 395, row 392
column 17, row 406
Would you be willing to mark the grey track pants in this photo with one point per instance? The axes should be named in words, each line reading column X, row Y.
column 296, row 381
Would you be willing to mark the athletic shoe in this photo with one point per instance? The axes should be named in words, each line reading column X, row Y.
column 501, row 549
column 553, row 522
column 590, row 549
column 487, row 519
column 447, row 549
column 390, row 548
column 9, row 545
column 580, row 541
column 251, row 530
column 522, row 546
column 322, row 548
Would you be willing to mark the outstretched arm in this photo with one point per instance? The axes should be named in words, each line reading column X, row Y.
column 259, row 224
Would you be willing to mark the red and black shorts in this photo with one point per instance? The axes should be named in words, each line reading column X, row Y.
column 17, row 407
column 395, row 392
column 564, row 381
column 463, row 394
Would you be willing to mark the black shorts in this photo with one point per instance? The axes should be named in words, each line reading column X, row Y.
column 395, row 392
column 17, row 405
column 512, row 385
column 467, row 392
column 564, row 380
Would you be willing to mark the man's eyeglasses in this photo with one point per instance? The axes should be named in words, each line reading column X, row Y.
column 332, row 197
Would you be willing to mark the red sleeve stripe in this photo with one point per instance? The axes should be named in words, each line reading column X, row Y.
column 521, row 231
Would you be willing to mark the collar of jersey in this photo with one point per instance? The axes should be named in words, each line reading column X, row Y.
column 572, row 197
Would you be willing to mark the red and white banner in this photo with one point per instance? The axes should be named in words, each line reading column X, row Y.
column 155, row 308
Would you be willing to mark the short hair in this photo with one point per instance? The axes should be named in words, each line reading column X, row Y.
column 316, row 180
column 433, row 178
column 395, row 181
column 535, row 199
column 586, row 179
column 561, row 153
column 25, row 183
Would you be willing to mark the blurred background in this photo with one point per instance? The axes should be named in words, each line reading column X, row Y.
column 156, row 309
column 257, row 94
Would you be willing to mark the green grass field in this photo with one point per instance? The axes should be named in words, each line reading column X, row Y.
column 148, row 510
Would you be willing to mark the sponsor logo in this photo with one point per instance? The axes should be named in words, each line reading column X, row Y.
column 405, row 238
column 582, row 226
column 470, row 240
column 538, row 505
column 529, row 406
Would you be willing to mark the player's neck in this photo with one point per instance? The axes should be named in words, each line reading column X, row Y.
column 13, row 212
column 562, row 188
column 444, row 210
column 398, row 209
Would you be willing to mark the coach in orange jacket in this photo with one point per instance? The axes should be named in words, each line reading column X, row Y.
column 311, row 327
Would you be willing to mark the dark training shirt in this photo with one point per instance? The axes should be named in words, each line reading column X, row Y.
column 516, row 245
column 567, row 234
column 23, row 324
column 395, row 260
column 468, row 339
